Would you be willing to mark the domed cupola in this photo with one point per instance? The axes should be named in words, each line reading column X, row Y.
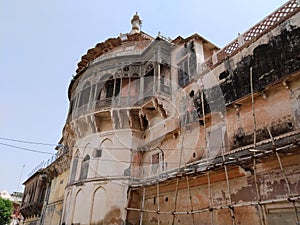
column 136, row 24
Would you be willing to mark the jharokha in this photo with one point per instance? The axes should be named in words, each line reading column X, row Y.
column 177, row 131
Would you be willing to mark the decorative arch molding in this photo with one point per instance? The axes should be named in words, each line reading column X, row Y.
column 67, row 208
column 86, row 149
column 99, row 206
column 78, row 216
column 97, row 152
column 106, row 142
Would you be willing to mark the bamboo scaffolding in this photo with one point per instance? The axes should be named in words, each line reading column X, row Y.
column 285, row 176
column 229, row 191
column 262, row 213
column 223, row 162
column 211, row 213
column 220, row 207
column 180, row 160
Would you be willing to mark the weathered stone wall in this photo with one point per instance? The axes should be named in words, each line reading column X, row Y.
column 194, row 195
column 259, row 190
column 54, row 204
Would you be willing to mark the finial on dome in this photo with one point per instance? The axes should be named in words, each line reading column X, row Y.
column 136, row 24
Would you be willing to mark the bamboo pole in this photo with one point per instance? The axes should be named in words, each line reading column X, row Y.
column 191, row 200
column 205, row 141
column 158, row 205
column 143, row 206
column 175, row 206
column 211, row 212
column 262, row 212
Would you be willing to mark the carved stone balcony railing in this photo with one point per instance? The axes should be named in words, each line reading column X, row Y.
column 122, row 102
column 103, row 104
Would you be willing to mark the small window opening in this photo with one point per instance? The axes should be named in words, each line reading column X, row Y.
column 155, row 162
column 85, row 95
column 192, row 93
column 145, row 122
column 223, row 75
column 98, row 153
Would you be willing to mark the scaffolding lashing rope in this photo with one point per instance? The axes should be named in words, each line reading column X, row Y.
column 262, row 211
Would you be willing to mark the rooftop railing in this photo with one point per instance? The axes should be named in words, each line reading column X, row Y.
column 283, row 13
column 45, row 164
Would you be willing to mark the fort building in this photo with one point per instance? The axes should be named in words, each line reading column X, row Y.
column 178, row 131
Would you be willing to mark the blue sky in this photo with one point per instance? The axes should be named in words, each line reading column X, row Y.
column 41, row 43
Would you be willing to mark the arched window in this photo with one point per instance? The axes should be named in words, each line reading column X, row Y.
column 157, row 161
column 118, row 87
column 105, row 87
column 85, row 95
column 84, row 167
column 183, row 73
column 109, row 87
column 74, row 167
column 134, row 85
column 148, row 80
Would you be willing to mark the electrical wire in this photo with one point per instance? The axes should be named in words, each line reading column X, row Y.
column 93, row 147
column 53, row 154
column 26, row 149
column 26, row 142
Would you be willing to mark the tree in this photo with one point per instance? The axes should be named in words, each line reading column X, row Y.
column 6, row 208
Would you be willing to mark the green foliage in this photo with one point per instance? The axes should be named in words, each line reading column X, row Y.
column 6, row 208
